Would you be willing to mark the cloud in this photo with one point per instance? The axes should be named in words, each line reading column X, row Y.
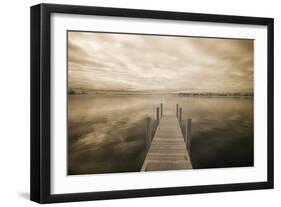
column 104, row 61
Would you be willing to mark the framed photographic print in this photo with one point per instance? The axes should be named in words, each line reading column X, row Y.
column 132, row 103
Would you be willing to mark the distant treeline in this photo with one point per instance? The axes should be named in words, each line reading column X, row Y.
column 249, row 94
column 73, row 92
column 223, row 94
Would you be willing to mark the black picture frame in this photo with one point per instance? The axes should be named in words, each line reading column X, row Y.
column 41, row 99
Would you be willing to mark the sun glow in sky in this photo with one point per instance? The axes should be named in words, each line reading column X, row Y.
column 124, row 62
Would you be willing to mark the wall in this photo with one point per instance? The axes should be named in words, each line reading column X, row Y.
column 14, row 110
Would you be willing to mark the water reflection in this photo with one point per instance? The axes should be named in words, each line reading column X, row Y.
column 106, row 133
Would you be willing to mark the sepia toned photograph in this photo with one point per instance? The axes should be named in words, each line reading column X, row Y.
column 128, row 103
column 142, row 102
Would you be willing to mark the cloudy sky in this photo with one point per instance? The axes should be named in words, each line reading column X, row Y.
column 101, row 61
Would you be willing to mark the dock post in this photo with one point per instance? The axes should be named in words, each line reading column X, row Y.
column 180, row 116
column 185, row 132
column 177, row 110
column 187, row 136
column 157, row 115
column 148, row 132
column 161, row 109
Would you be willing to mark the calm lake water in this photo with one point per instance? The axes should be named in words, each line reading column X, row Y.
column 106, row 133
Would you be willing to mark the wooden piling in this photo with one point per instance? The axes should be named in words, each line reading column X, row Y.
column 187, row 137
column 157, row 115
column 161, row 109
column 177, row 110
column 180, row 116
column 148, row 132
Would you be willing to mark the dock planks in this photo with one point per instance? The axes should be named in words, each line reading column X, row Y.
column 168, row 149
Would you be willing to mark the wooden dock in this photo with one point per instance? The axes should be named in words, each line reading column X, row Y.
column 168, row 149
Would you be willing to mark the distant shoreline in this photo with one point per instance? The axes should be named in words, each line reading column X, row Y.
column 236, row 94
